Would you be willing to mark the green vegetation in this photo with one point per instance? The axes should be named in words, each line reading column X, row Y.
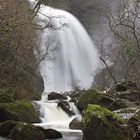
column 18, row 111
column 17, row 61
column 104, row 124
column 99, row 112
column 26, row 131
column 96, row 97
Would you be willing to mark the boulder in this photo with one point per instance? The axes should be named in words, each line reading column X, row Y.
column 56, row 96
column 95, row 97
column 66, row 107
column 6, row 127
column 52, row 134
column 18, row 111
column 26, row 132
column 75, row 100
column 101, row 124
column 76, row 123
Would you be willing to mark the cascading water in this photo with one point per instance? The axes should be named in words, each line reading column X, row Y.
column 73, row 58
column 70, row 63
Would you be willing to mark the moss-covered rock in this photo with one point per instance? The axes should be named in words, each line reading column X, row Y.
column 26, row 132
column 6, row 127
column 18, row 111
column 101, row 124
column 95, row 97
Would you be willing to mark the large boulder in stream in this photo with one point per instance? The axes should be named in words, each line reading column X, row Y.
column 95, row 97
column 101, row 124
column 26, row 132
column 18, row 111
column 76, row 123
column 66, row 107
column 56, row 96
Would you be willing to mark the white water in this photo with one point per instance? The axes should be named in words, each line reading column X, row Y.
column 74, row 56
column 53, row 116
column 71, row 62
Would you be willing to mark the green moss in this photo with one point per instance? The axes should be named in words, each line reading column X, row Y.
column 99, row 112
column 19, row 111
column 96, row 97
column 105, row 122
column 24, row 131
column 89, row 97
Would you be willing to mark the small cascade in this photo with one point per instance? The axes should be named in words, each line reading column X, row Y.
column 53, row 116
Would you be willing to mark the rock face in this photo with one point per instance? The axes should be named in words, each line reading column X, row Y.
column 94, row 97
column 18, row 111
column 76, row 123
column 101, row 124
column 56, row 96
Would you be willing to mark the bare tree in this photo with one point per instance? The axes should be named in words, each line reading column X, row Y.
column 121, row 45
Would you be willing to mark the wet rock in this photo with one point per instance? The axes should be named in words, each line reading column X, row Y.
column 18, row 111
column 56, row 96
column 75, row 100
column 76, row 123
column 101, row 124
column 52, row 134
column 66, row 107
column 6, row 127
column 26, row 132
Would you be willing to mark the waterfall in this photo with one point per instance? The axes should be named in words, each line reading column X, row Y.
column 68, row 61
column 72, row 59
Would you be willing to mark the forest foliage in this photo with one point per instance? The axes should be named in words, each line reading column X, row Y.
column 17, row 39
